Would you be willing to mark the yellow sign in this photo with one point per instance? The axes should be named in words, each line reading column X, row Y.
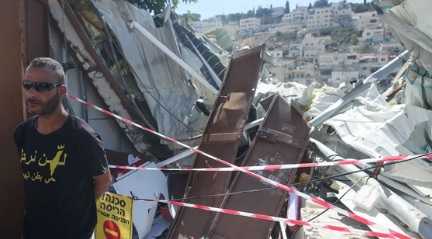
column 114, row 217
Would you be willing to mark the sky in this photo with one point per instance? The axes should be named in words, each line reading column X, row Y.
column 210, row 8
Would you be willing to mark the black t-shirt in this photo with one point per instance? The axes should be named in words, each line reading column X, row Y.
column 58, row 171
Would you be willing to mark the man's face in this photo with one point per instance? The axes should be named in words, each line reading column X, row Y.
column 41, row 100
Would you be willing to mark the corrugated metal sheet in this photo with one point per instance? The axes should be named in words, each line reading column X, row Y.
column 164, row 85
column 221, row 139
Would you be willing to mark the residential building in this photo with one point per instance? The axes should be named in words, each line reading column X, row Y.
column 328, row 61
column 295, row 50
column 342, row 14
column 313, row 46
column 297, row 17
column 277, row 53
column 249, row 24
column 341, row 8
column 369, row 63
column 280, row 68
column 338, row 77
column 304, row 74
column 320, row 18
column 375, row 35
column 367, row 19
column 351, row 59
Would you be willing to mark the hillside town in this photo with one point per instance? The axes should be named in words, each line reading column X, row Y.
column 326, row 42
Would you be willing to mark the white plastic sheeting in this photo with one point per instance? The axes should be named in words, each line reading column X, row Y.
column 144, row 185
column 164, row 84
column 411, row 22
column 375, row 128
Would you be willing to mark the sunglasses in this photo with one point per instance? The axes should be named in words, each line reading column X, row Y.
column 40, row 86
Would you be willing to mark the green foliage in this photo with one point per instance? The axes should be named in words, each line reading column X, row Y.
column 359, row 7
column 223, row 39
column 262, row 12
column 287, row 7
column 191, row 17
column 285, row 36
column 321, row 3
column 157, row 6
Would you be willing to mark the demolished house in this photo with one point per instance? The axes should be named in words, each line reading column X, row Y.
column 200, row 112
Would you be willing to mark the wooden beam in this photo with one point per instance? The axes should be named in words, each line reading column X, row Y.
column 12, row 47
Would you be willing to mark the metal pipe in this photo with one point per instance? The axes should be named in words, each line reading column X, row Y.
column 176, row 158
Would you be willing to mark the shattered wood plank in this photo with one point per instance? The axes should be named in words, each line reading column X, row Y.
column 282, row 139
column 221, row 139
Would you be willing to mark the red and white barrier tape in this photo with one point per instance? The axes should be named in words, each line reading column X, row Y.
column 289, row 222
column 275, row 167
column 317, row 200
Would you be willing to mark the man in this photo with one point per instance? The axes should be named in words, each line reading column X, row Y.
column 64, row 165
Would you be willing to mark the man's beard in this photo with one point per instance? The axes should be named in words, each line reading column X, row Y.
column 49, row 107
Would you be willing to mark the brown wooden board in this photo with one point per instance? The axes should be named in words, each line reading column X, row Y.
column 281, row 139
column 221, row 139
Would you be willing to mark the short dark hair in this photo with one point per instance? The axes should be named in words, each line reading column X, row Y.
column 48, row 64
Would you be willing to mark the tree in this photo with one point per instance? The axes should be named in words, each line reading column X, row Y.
column 261, row 12
column 157, row 6
column 251, row 13
column 287, row 7
column 191, row 17
column 321, row 3
column 310, row 6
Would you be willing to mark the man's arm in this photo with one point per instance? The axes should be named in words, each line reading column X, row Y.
column 102, row 183
column 96, row 161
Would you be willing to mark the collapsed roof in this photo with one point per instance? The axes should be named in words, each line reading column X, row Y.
column 141, row 75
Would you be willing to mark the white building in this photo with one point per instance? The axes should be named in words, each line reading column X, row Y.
column 295, row 50
column 338, row 77
column 328, row 61
column 296, row 17
column 369, row 63
column 277, row 53
column 367, row 19
column 313, row 46
column 320, row 18
column 250, row 24
column 305, row 74
column 332, row 60
column 373, row 35
column 340, row 8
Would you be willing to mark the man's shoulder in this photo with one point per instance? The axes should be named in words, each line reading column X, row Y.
column 82, row 128
column 21, row 128
column 22, row 125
